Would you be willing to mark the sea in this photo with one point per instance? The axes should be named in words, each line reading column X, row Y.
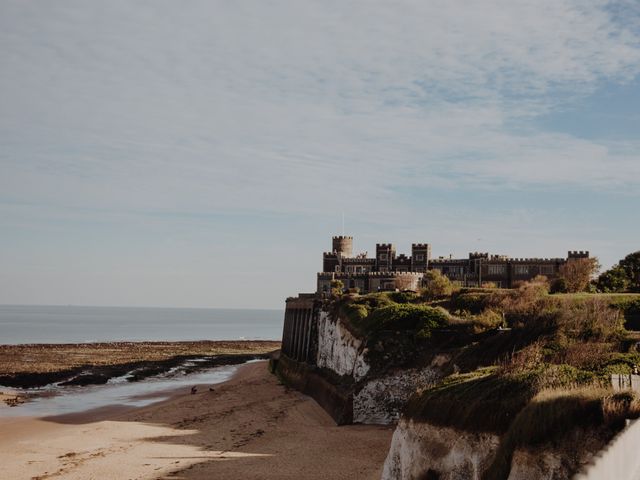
column 79, row 324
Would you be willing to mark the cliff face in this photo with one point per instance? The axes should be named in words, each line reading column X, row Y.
column 339, row 350
column 423, row 451
column 381, row 399
column 377, row 399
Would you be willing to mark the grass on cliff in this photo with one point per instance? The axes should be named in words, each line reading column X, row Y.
column 487, row 400
column 544, row 376
column 585, row 331
column 394, row 333
column 552, row 385
column 558, row 418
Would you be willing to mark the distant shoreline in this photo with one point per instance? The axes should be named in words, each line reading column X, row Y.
column 37, row 365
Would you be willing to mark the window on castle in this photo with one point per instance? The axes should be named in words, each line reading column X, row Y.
column 522, row 269
column 546, row 269
column 384, row 256
column 496, row 269
column 337, row 268
column 419, row 257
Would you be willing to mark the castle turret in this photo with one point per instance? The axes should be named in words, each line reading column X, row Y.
column 385, row 254
column 420, row 256
column 343, row 246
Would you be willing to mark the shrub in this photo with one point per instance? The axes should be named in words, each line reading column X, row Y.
column 559, row 285
column 355, row 312
column 418, row 319
column 337, row 288
column 436, row 285
column 525, row 303
column 402, row 297
column 471, row 302
column 487, row 320
column 591, row 319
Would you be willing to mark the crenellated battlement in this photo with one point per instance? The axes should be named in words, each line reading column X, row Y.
column 469, row 271
column 326, row 275
column 578, row 254
column 535, row 260
column 451, row 261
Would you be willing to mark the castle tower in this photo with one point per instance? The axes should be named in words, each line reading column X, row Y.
column 420, row 256
column 343, row 246
column 385, row 254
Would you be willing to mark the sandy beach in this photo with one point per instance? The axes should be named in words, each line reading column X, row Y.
column 250, row 427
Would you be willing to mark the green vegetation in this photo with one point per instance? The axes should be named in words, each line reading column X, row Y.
column 394, row 332
column 551, row 370
column 622, row 277
column 524, row 364
column 337, row 288
column 436, row 285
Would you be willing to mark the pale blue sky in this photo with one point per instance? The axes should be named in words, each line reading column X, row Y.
column 200, row 153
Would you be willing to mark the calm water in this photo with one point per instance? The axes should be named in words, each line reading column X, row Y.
column 70, row 324
column 54, row 400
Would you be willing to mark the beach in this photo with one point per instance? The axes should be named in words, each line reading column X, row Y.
column 249, row 427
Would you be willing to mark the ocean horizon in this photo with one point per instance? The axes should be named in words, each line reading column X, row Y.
column 22, row 324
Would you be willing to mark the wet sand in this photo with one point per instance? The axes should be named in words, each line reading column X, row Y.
column 249, row 427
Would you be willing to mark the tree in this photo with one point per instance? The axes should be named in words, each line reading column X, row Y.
column 623, row 276
column 577, row 273
column 436, row 285
column 631, row 266
column 337, row 288
column 613, row 280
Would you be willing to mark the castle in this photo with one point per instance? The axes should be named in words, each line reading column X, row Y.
column 390, row 271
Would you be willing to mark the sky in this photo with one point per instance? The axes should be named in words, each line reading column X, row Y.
column 202, row 153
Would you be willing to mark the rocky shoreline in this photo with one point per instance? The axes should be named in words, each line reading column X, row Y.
column 32, row 366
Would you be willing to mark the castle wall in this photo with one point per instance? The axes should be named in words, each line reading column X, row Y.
column 478, row 270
